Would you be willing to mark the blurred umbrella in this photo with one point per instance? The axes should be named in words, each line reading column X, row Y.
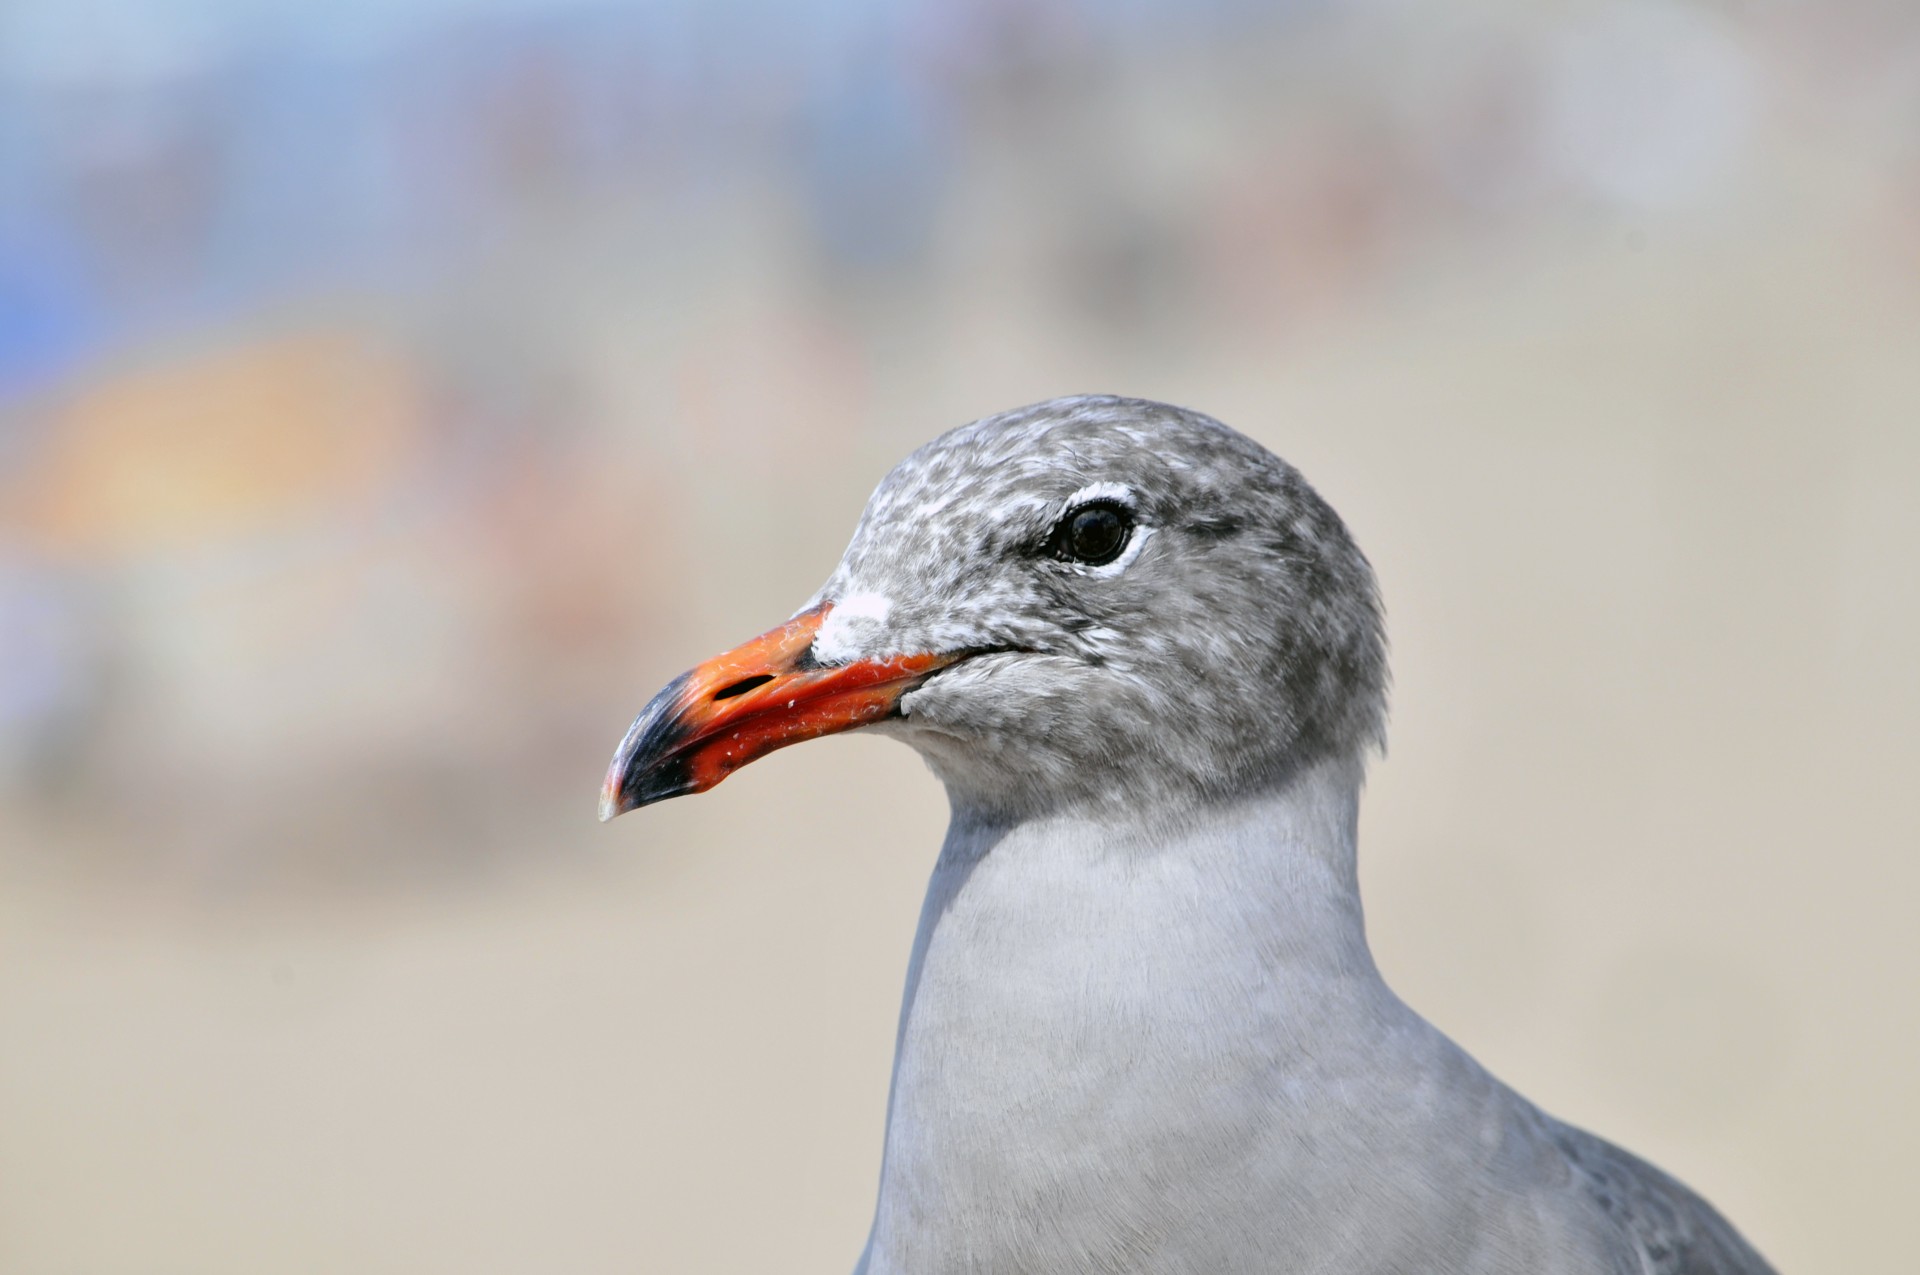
column 216, row 445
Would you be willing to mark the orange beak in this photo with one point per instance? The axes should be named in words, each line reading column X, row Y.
column 737, row 707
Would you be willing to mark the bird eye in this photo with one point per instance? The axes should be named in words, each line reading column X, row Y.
column 1094, row 534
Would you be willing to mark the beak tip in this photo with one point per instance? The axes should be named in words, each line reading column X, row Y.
column 623, row 790
column 630, row 786
column 612, row 787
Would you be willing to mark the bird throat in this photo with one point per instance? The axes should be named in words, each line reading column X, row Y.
column 1091, row 1004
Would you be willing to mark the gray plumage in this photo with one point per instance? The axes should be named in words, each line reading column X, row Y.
column 1142, row 1030
column 1239, row 638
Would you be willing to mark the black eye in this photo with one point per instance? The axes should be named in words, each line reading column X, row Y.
column 1094, row 534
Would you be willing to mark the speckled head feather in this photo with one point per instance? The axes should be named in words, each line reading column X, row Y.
column 1235, row 637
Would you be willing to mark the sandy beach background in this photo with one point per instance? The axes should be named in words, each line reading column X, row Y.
column 391, row 401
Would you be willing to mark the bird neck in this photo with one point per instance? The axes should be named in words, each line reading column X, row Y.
column 1267, row 881
column 1083, row 986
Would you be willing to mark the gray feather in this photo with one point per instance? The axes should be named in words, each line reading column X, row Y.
column 1671, row 1230
column 1142, row 1030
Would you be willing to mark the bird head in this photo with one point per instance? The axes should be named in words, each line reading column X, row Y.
column 1092, row 600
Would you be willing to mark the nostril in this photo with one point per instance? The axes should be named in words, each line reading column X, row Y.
column 742, row 686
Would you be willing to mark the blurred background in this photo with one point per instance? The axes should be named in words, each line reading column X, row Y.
column 393, row 395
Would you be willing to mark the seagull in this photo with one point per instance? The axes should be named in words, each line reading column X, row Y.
column 1142, row 1030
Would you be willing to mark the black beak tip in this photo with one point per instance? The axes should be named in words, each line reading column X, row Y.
column 643, row 786
column 648, row 767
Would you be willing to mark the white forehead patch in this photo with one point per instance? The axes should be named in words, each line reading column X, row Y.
column 852, row 627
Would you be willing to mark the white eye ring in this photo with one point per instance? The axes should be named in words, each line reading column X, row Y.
column 1106, row 493
column 1135, row 543
column 1111, row 494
